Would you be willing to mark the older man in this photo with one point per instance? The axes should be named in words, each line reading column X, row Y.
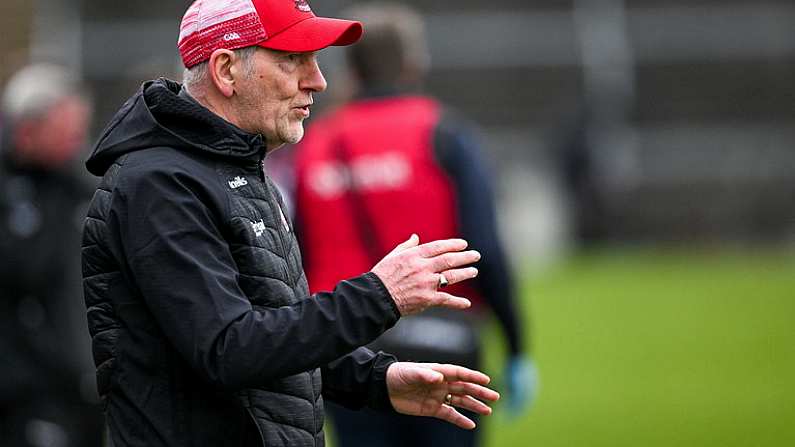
column 203, row 328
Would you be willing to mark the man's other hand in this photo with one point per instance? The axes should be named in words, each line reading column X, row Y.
column 412, row 272
column 431, row 389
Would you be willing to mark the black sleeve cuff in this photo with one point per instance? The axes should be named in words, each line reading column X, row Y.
column 378, row 392
column 388, row 301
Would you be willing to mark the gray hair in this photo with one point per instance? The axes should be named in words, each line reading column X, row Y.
column 35, row 88
column 194, row 78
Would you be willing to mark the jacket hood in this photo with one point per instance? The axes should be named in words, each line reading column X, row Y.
column 158, row 115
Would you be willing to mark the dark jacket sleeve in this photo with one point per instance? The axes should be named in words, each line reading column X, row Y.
column 458, row 154
column 358, row 379
column 169, row 226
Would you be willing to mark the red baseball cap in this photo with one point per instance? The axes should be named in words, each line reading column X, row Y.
column 287, row 25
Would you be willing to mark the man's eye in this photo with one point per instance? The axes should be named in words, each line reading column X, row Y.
column 294, row 57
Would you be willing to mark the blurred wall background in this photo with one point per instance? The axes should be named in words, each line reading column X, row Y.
column 15, row 18
column 678, row 113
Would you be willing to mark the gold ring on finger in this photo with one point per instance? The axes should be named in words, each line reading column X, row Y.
column 443, row 282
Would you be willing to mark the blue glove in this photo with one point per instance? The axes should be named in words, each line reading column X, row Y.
column 521, row 379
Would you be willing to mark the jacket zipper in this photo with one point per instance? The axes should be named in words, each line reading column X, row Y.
column 256, row 425
column 314, row 402
column 261, row 166
column 281, row 218
column 280, row 231
column 261, row 170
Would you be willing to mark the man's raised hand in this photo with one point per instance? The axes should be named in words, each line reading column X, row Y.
column 436, row 390
column 412, row 272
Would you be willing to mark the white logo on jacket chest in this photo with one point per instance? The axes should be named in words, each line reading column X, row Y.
column 237, row 182
column 258, row 227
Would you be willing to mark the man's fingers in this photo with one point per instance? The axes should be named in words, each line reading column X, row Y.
column 471, row 404
column 428, row 376
column 457, row 275
column 449, row 414
column 444, row 299
column 436, row 248
column 449, row 261
column 455, row 373
column 414, row 373
column 412, row 241
column 474, row 390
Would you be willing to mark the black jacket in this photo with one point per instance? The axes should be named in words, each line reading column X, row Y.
column 203, row 330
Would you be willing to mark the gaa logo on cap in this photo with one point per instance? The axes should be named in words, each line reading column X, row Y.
column 302, row 5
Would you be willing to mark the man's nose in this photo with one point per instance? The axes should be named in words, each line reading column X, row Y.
column 313, row 79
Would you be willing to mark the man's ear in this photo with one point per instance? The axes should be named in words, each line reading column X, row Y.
column 220, row 67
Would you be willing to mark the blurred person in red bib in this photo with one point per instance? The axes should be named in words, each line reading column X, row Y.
column 391, row 161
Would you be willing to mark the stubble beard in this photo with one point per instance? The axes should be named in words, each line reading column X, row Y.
column 286, row 129
column 294, row 132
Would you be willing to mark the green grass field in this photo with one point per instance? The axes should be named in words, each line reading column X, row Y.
column 645, row 348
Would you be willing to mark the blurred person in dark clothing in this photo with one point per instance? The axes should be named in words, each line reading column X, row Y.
column 578, row 170
column 391, row 161
column 43, row 398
